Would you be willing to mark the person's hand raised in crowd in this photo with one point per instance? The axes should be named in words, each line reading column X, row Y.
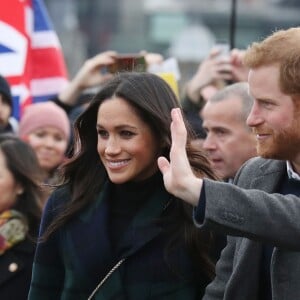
column 152, row 58
column 214, row 68
column 89, row 75
column 178, row 176
column 239, row 71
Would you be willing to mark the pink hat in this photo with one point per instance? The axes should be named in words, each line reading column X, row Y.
column 44, row 114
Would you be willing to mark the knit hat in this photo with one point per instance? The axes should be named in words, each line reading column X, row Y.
column 43, row 114
column 5, row 90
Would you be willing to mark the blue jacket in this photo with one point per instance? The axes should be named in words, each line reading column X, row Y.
column 71, row 263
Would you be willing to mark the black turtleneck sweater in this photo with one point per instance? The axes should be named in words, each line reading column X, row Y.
column 125, row 201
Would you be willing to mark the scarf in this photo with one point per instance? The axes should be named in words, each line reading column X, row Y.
column 13, row 229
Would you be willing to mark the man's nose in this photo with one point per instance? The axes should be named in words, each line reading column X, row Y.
column 209, row 142
column 254, row 118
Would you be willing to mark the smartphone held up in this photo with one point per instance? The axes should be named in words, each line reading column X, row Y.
column 224, row 49
column 130, row 62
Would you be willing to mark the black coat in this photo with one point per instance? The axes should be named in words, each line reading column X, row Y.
column 71, row 263
column 15, row 271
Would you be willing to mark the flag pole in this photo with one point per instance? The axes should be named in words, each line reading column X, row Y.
column 232, row 28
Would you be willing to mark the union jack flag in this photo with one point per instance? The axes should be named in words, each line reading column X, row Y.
column 31, row 58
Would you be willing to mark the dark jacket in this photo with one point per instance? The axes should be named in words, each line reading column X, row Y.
column 71, row 263
column 15, row 271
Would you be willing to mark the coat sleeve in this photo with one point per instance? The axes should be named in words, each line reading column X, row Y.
column 266, row 217
column 48, row 272
column 216, row 289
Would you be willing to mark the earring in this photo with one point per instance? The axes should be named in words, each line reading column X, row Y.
column 20, row 192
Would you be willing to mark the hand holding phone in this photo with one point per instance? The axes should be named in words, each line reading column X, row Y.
column 223, row 49
column 128, row 62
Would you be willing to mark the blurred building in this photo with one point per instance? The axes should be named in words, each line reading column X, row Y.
column 184, row 29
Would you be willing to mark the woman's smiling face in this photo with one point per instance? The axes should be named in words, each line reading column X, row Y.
column 127, row 146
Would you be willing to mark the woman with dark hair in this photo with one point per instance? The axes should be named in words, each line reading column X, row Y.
column 112, row 231
column 20, row 212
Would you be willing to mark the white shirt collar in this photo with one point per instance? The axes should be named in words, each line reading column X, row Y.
column 291, row 173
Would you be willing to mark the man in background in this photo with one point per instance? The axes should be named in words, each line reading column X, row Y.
column 229, row 141
column 260, row 211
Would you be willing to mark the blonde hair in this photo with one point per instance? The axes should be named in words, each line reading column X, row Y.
column 282, row 48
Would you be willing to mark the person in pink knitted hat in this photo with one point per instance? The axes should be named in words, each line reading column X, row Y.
column 46, row 127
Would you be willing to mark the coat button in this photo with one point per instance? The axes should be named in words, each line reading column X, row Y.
column 13, row 267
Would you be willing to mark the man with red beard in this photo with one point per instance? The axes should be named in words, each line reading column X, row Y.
column 260, row 212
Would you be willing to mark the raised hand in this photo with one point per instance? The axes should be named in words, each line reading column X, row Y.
column 179, row 178
column 239, row 71
column 89, row 75
column 215, row 68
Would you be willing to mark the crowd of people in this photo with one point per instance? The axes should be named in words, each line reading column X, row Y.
column 117, row 189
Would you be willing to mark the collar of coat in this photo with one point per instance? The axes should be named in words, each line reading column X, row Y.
column 140, row 231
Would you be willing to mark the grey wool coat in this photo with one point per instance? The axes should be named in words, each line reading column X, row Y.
column 253, row 216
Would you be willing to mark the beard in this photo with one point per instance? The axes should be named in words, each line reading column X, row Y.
column 283, row 145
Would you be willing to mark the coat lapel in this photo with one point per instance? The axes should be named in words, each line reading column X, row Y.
column 140, row 232
column 269, row 176
column 89, row 244
column 89, row 235
column 248, row 252
column 144, row 227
